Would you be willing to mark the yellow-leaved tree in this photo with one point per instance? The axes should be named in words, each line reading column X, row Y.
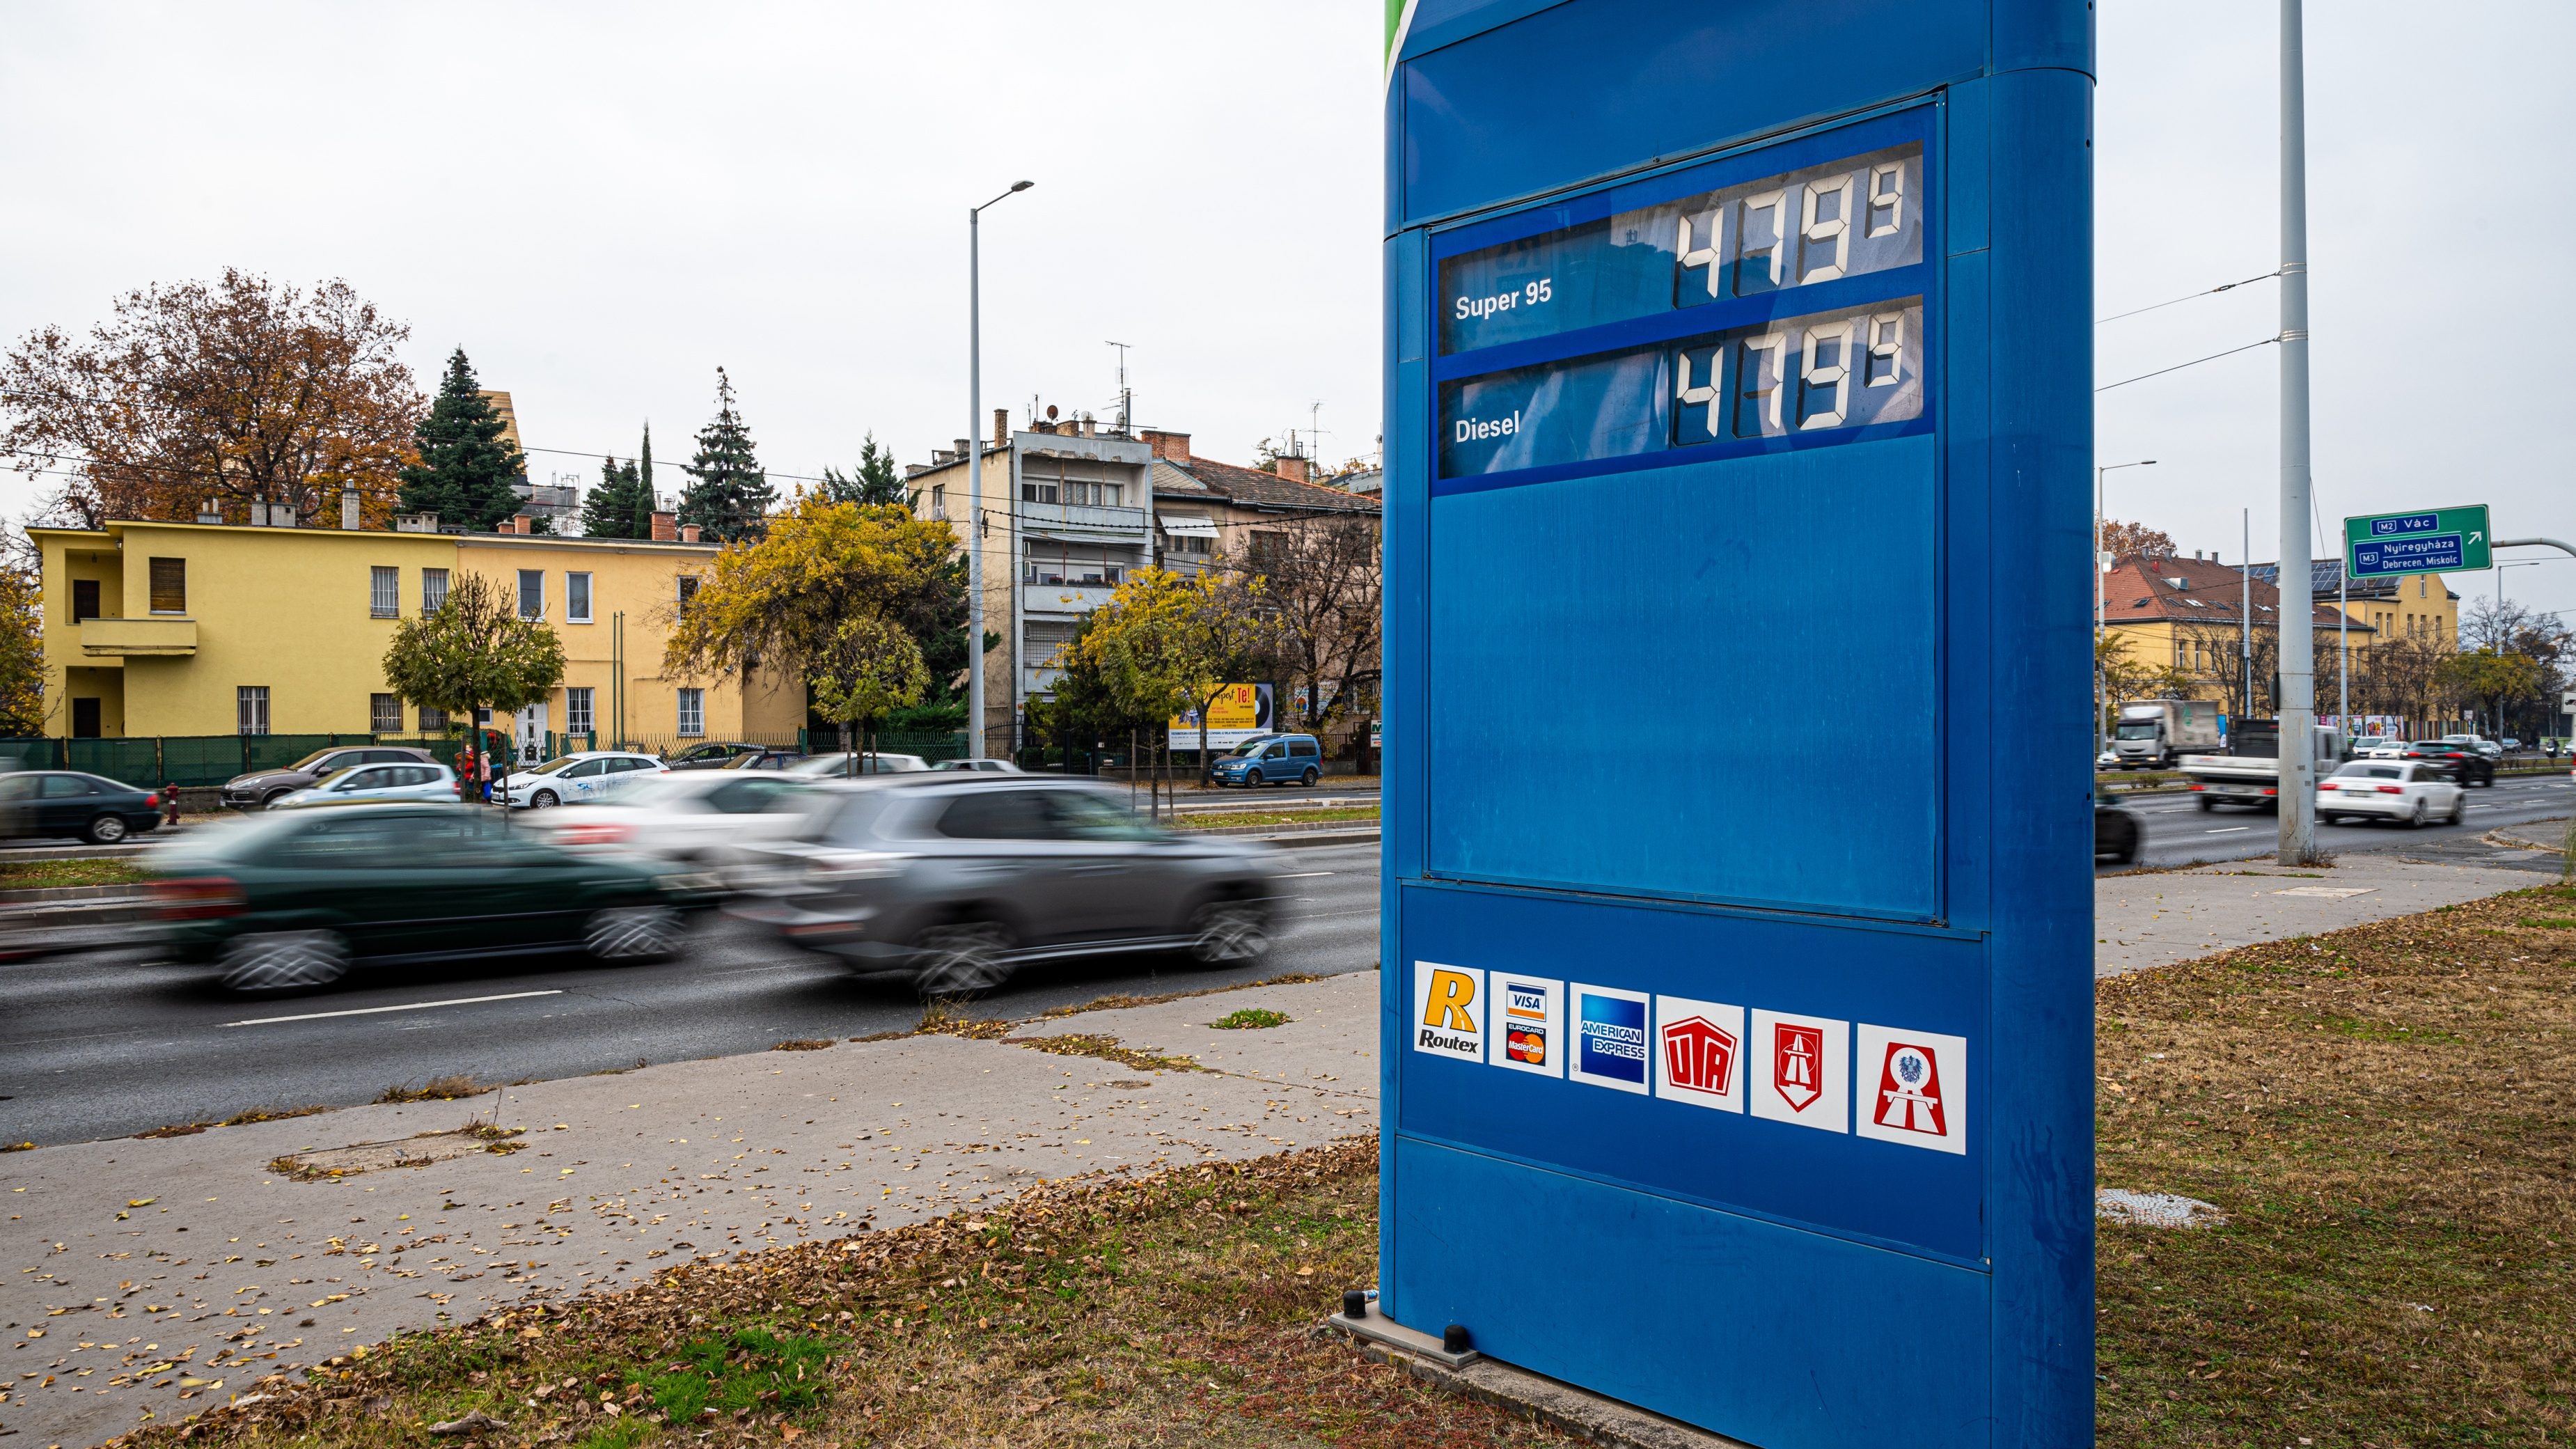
column 1166, row 643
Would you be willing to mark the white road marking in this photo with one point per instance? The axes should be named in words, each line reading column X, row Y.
column 2230, row 830
column 1303, row 874
column 410, row 1006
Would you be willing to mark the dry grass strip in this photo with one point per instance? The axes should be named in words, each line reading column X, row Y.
column 2387, row 1115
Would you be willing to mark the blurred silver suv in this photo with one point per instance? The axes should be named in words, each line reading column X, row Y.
column 957, row 880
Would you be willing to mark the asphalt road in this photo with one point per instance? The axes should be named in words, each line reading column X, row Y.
column 2179, row 832
column 110, row 1043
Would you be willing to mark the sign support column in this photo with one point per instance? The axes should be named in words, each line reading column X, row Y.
column 2298, row 843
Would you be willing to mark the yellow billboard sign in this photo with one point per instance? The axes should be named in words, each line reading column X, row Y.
column 1239, row 712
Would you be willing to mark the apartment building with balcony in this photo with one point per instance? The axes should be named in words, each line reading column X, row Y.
column 1067, row 513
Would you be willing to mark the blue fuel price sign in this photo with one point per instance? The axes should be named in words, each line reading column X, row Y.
column 2420, row 541
column 1728, row 349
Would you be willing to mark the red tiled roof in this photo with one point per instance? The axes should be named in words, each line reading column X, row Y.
column 2189, row 590
column 1247, row 485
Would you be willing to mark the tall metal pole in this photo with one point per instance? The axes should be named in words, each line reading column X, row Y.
column 975, row 472
column 974, row 483
column 2245, row 607
column 2298, row 614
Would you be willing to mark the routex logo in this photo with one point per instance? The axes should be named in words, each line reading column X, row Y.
column 1449, row 1011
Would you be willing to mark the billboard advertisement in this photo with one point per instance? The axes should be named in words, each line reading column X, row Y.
column 1240, row 712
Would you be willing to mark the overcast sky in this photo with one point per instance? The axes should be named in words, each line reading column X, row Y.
column 600, row 204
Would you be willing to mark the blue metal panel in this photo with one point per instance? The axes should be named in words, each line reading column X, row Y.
column 1651, row 662
column 1614, row 969
column 1628, row 83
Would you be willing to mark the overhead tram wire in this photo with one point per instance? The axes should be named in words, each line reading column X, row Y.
column 2196, row 296
column 2195, row 362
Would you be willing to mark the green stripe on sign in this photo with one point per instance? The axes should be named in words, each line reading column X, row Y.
column 1399, row 19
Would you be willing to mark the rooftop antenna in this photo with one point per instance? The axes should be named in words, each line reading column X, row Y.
column 1125, row 398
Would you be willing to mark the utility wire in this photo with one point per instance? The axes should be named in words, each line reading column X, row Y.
column 2212, row 292
column 2179, row 366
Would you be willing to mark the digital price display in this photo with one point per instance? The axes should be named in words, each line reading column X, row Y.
column 1784, row 309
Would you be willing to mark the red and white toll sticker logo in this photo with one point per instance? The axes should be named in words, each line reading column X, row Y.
column 1917, row 1085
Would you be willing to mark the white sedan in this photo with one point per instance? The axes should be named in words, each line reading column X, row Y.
column 2390, row 790
column 685, row 815
column 372, row 784
column 577, row 779
column 836, row 765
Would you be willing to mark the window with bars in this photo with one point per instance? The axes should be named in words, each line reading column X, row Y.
column 432, row 721
column 433, row 590
column 693, row 710
column 532, row 593
column 251, row 708
column 169, row 585
column 384, row 713
column 384, row 593
column 577, row 715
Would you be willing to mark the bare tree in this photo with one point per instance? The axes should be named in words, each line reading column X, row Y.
column 1323, row 579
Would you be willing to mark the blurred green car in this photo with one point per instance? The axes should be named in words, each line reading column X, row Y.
column 294, row 900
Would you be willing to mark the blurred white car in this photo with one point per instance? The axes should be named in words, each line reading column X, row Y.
column 2377, row 748
column 577, row 779
column 686, row 815
column 836, row 765
column 985, row 766
column 2390, row 790
column 373, row 784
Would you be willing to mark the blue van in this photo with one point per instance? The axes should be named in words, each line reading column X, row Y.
column 1271, row 760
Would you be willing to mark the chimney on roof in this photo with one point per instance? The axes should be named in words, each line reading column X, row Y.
column 1172, row 447
column 519, row 523
column 1292, row 468
column 210, row 511
column 689, row 532
column 349, row 509
column 963, row 445
column 1001, row 427
column 666, row 527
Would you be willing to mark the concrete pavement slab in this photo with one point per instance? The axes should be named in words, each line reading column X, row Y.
column 2156, row 918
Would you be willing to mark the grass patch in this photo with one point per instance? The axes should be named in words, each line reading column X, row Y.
column 238, row 1119
column 441, row 1089
column 2549, row 923
column 2387, row 1115
column 1177, row 1308
column 804, row 1044
column 30, row 875
column 1107, row 1049
column 1214, row 820
column 1250, row 1018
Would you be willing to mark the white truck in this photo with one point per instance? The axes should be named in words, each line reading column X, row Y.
column 2154, row 733
column 2249, row 773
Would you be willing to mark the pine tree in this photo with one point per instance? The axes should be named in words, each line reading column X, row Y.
column 731, row 496
column 874, row 481
column 608, row 510
column 466, row 467
column 646, row 500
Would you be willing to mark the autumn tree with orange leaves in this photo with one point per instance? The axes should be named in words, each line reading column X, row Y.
column 238, row 391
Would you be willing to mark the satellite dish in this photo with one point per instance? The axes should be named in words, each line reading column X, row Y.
column 1050, row 412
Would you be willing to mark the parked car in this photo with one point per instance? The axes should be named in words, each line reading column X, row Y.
column 986, row 766
column 2378, row 748
column 1272, row 760
column 262, row 788
column 42, row 804
column 2115, row 833
column 374, row 784
column 684, row 815
column 956, row 883
column 297, row 899
column 836, row 765
column 713, row 755
column 2402, row 790
column 588, row 775
column 767, row 757
column 2463, row 761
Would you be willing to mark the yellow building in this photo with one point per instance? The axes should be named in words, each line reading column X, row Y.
column 213, row 629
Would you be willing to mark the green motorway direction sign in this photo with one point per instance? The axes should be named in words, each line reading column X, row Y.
column 2425, row 541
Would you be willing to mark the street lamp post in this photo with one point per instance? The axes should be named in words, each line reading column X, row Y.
column 2098, row 470
column 2294, row 586
column 975, row 471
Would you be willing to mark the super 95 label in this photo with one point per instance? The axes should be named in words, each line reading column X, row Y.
column 1448, row 1011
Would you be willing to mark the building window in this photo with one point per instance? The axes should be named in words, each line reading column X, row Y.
column 250, row 706
column 1049, row 562
column 384, row 593
column 577, row 718
column 433, row 591
column 84, row 599
column 384, row 713
column 577, row 598
column 688, row 592
column 85, row 719
column 532, row 593
column 693, row 711
column 939, row 500
column 1083, row 481
column 169, row 586
column 432, row 721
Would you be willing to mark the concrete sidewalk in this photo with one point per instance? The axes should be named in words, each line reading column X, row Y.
column 155, row 1277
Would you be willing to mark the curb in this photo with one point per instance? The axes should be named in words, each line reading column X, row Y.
column 1534, row 1396
column 46, row 894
